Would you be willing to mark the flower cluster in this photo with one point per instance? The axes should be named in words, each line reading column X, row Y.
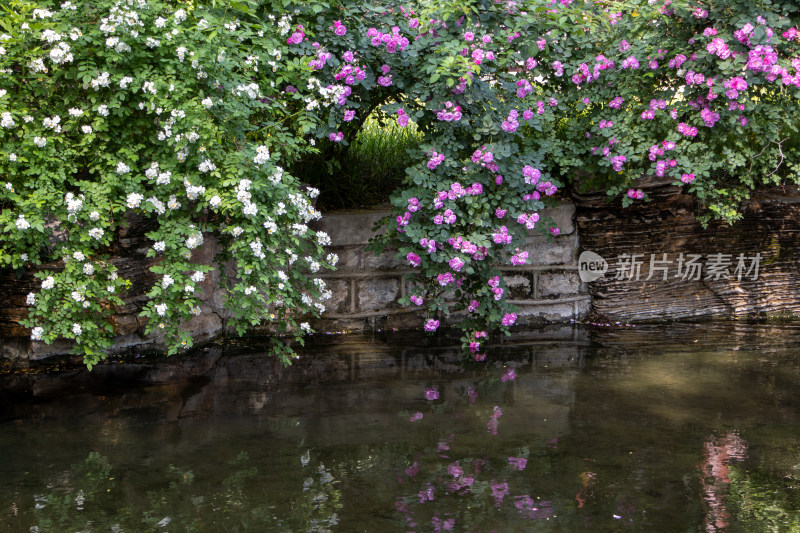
column 661, row 87
column 119, row 136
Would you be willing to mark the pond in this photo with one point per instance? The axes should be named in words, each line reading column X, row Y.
column 659, row 428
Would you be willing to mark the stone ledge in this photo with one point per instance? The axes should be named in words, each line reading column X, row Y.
column 581, row 298
column 412, row 310
column 354, row 227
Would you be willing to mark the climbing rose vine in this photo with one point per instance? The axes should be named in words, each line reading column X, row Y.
column 515, row 99
column 166, row 114
column 183, row 113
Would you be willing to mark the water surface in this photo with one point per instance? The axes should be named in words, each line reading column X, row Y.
column 678, row 428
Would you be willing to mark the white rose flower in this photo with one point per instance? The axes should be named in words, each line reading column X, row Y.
column 6, row 120
column 22, row 224
column 134, row 200
column 262, row 155
column 60, row 54
column 323, row 239
column 207, row 166
column 193, row 241
column 250, row 209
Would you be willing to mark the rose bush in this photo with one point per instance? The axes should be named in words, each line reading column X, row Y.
column 514, row 97
column 165, row 109
column 183, row 111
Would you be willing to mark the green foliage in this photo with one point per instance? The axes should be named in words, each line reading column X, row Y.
column 167, row 110
column 368, row 172
column 183, row 113
column 705, row 96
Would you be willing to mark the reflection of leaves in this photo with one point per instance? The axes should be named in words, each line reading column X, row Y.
column 236, row 481
column 320, row 501
column 86, row 495
column 97, row 467
column 766, row 501
column 86, row 487
column 184, row 477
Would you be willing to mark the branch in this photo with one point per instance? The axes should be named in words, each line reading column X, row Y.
column 780, row 151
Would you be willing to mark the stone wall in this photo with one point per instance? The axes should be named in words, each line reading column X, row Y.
column 714, row 288
column 129, row 256
column 366, row 287
column 548, row 289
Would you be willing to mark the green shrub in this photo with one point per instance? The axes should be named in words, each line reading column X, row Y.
column 168, row 109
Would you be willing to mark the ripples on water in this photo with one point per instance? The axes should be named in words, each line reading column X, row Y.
column 679, row 428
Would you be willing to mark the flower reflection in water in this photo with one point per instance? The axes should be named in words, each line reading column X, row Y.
column 719, row 452
column 533, row 509
column 491, row 426
column 518, row 463
column 448, row 475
